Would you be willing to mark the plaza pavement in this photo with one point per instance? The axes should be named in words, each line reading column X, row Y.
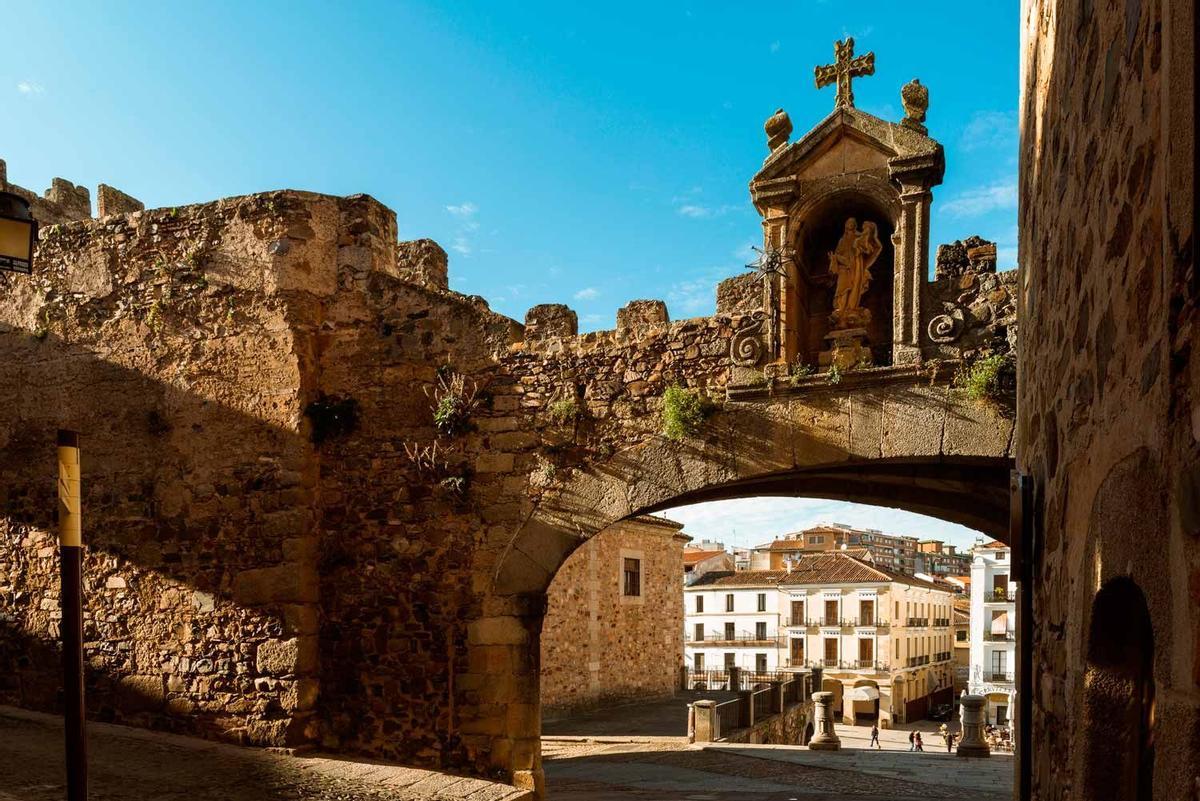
column 126, row 764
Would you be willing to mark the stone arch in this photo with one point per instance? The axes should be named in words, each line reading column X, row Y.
column 1118, row 695
column 899, row 443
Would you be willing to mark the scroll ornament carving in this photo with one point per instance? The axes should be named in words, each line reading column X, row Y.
column 746, row 347
column 947, row 327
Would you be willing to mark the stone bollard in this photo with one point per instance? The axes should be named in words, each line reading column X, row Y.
column 826, row 738
column 704, row 722
column 972, row 743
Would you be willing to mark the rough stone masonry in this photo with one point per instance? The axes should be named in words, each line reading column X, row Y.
column 324, row 495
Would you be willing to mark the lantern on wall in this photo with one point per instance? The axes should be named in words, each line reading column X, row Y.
column 18, row 233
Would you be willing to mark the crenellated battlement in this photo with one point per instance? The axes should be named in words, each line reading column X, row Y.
column 67, row 202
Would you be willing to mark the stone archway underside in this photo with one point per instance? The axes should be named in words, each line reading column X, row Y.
column 971, row 491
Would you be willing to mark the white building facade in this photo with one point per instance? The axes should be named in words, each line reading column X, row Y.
column 994, row 632
column 882, row 639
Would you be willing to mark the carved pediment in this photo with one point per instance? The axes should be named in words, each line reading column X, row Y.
column 847, row 141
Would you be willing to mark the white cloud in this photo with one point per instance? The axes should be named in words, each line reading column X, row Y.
column 588, row 293
column 466, row 209
column 465, row 214
column 990, row 129
column 30, row 88
column 981, row 200
column 698, row 212
column 750, row 521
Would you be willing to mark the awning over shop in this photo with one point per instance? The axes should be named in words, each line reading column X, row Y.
column 862, row 694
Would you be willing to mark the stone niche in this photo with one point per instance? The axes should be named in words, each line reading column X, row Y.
column 851, row 166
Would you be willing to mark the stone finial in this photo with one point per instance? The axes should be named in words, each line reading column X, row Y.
column 915, row 98
column 550, row 320
column 778, row 128
column 3, row 173
column 638, row 315
column 114, row 201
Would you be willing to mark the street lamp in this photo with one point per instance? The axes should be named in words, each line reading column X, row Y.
column 18, row 233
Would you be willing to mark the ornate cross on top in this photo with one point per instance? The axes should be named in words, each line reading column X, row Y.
column 845, row 67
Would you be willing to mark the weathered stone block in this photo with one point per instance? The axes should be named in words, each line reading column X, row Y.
column 637, row 316
column 288, row 583
column 550, row 320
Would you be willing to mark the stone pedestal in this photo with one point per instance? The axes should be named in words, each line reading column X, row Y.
column 825, row 739
column 972, row 743
column 847, row 348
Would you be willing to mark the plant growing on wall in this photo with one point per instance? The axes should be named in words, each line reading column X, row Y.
column 454, row 399
column 563, row 411
column 432, row 460
column 834, row 376
column 683, row 411
column 986, row 379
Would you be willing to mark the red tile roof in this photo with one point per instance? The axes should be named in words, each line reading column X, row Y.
column 741, row 578
column 828, row 567
column 692, row 557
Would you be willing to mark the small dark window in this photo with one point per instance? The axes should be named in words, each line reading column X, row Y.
column 698, row 661
column 760, row 631
column 960, row 636
column 729, row 602
column 760, row 663
column 729, row 660
column 699, row 632
column 762, row 602
column 633, row 577
column 729, row 632
column 699, row 603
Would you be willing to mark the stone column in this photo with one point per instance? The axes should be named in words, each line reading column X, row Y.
column 972, row 743
column 826, row 738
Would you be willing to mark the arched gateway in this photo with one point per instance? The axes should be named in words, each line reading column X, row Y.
column 828, row 370
column 325, row 495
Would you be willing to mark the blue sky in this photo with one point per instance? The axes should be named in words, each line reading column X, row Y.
column 587, row 154
column 580, row 153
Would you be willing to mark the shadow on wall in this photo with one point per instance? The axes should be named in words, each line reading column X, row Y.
column 200, row 566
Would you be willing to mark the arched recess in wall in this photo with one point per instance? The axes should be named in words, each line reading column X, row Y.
column 1118, row 703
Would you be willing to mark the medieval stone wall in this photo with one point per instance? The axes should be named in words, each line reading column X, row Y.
column 1109, row 412
column 600, row 647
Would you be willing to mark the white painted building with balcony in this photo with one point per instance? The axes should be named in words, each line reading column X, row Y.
column 883, row 639
column 993, row 661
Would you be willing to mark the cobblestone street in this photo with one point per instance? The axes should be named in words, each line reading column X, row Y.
column 132, row 765
column 667, row 770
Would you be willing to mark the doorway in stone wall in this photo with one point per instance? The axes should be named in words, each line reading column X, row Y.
column 1118, row 696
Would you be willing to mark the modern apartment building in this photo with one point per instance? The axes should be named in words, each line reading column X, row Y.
column 885, row 550
column 882, row 638
column 939, row 559
column 993, row 631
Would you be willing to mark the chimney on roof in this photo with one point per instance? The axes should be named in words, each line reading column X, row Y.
column 787, row 565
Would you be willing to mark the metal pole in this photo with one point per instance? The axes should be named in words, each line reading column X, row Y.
column 71, row 554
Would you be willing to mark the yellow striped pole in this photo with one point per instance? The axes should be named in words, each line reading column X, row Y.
column 70, row 540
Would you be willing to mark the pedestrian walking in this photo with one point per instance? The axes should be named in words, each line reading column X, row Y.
column 875, row 737
column 950, row 743
column 912, row 741
column 920, row 745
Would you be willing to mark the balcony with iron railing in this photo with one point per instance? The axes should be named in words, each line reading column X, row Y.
column 941, row 622
column 828, row 622
column 918, row 621
column 917, row 661
column 1000, row 636
column 999, row 676
column 1000, row 595
column 942, row 656
column 739, row 638
column 869, row 622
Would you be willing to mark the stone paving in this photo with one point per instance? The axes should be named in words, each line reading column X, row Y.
column 133, row 765
column 663, row 769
